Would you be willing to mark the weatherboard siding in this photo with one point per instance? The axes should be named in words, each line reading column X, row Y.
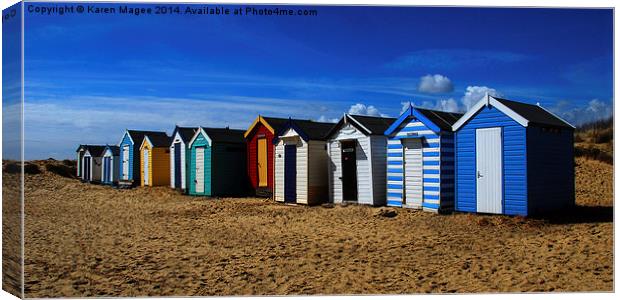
column 446, row 185
column 364, row 174
column 301, row 164
column 378, row 154
column 514, row 181
column 200, row 141
column 228, row 169
column 173, row 171
column 317, row 168
column 252, row 149
column 278, row 188
column 551, row 176
column 127, row 141
column 435, row 166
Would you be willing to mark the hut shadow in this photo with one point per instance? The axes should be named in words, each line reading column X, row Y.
column 580, row 214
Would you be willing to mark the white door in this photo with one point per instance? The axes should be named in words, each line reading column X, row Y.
column 200, row 170
column 489, row 170
column 126, row 162
column 146, row 167
column 412, row 159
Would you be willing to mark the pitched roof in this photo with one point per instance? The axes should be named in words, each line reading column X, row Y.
column 95, row 150
column 376, row 125
column 367, row 124
column 442, row 119
column 116, row 150
column 314, row 130
column 307, row 129
column 523, row 113
column 80, row 148
column 225, row 135
column 273, row 123
column 534, row 113
column 138, row 135
column 158, row 139
column 186, row 133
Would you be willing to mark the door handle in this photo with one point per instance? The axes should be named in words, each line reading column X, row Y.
column 479, row 175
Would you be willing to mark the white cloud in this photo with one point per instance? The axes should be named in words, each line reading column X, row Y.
column 473, row 94
column 435, row 84
column 325, row 119
column 594, row 110
column 449, row 105
column 55, row 128
column 362, row 109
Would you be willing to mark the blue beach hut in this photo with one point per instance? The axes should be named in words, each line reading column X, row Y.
column 420, row 160
column 129, row 155
column 513, row 158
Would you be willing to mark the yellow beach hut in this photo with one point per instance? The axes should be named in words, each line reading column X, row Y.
column 155, row 159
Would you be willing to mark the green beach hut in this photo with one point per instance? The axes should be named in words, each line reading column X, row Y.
column 217, row 160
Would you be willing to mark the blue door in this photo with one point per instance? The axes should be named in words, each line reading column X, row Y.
column 290, row 173
column 177, row 165
column 106, row 169
column 87, row 168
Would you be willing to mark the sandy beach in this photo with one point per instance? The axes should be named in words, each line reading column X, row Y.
column 92, row 240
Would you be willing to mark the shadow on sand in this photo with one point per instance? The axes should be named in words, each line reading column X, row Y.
column 581, row 214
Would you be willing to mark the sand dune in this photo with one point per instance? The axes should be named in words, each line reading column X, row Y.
column 90, row 240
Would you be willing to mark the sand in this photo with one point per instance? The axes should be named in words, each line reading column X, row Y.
column 91, row 240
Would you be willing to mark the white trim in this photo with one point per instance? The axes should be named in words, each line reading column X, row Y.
column 146, row 138
column 358, row 123
column 191, row 142
column 372, row 175
column 485, row 101
column 569, row 124
column 90, row 165
column 511, row 113
column 130, row 138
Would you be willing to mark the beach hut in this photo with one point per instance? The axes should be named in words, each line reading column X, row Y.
column 109, row 165
column 178, row 153
column 513, row 158
column 357, row 150
column 91, row 163
column 81, row 149
column 217, row 163
column 420, row 160
column 155, row 160
column 259, row 142
column 301, row 162
column 129, row 156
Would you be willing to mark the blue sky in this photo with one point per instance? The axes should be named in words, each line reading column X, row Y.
column 88, row 77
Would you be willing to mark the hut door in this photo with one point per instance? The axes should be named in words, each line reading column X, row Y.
column 489, row 170
column 106, row 169
column 290, row 173
column 125, row 162
column 200, row 170
column 146, row 167
column 262, row 162
column 87, row 168
column 349, row 171
column 413, row 171
column 177, row 165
